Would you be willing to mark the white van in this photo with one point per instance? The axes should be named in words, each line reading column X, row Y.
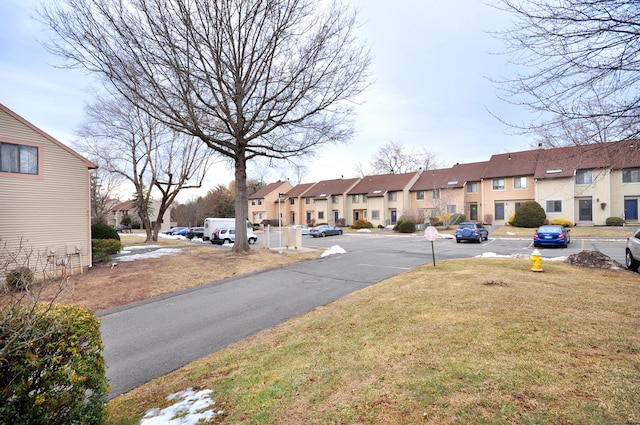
column 213, row 224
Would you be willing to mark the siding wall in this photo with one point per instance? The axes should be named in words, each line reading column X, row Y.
column 50, row 210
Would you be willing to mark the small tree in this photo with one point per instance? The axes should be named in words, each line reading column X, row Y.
column 530, row 214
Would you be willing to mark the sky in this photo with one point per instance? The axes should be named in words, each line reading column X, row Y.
column 432, row 61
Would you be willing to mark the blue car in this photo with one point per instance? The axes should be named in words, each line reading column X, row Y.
column 551, row 235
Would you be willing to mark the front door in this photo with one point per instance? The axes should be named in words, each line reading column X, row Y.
column 336, row 216
column 394, row 216
column 473, row 212
column 585, row 210
column 631, row 209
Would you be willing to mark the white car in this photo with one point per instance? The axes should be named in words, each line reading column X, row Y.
column 632, row 252
column 303, row 227
column 228, row 236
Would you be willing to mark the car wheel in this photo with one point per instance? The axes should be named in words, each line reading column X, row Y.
column 632, row 264
column 458, row 240
column 226, row 241
column 252, row 241
column 339, row 232
column 323, row 234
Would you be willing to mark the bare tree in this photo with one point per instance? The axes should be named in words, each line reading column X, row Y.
column 250, row 78
column 577, row 67
column 395, row 158
column 127, row 142
column 103, row 186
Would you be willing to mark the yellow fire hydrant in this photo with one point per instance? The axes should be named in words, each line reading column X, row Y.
column 536, row 260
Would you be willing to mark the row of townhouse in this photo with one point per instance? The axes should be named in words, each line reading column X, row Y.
column 583, row 184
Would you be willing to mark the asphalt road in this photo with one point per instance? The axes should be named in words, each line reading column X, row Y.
column 149, row 339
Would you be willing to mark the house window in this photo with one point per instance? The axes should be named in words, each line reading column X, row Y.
column 498, row 184
column 253, row 202
column 518, row 205
column 364, row 198
column 420, row 195
column 355, row 199
column 259, row 201
column 307, row 201
column 292, row 201
column 584, row 177
column 520, row 182
column 392, row 196
column 631, row 175
column 375, row 215
column 21, row 159
column 554, row 206
column 320, row 215
column 451, row 209
column 499, row 213
column 334, row 199
column 435, row 194
column 472, row 187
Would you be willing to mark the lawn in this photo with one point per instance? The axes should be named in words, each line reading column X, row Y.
column 471, row 341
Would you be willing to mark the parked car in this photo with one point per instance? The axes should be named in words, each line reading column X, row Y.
column 303, row 227
column 121, row 228
column 551, row 235
column 632, row 251
column 228, row 236
column 471, row 231
column 324, row 230
column 175, row 230
column 181, row 232
column 195, row 232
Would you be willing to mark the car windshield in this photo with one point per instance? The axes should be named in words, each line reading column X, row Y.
column 466, row 226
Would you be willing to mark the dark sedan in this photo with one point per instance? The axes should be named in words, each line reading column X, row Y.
column 552, row 236
column 195, row 232
column 324, row 230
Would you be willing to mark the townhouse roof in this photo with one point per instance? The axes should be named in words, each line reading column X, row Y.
column 565, row 161
column 268, row 189
column 123, row 206
column 299, row 190
column 509, row 164
column 454, row 177
column 379, row 184
column 325, row 188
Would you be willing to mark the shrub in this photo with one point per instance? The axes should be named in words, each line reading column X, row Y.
column 562, row 222
column 435, row 220
column 103, row 249
column 406, row 226
column 20, row 279
column 511, row 219
column 530, row 214
column 340, row 222
column 458, row 218
column 614, row 221
column 102, row 231
column 362, row 224
column 52, row 370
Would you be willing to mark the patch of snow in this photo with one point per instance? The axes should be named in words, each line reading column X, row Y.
column 364, row 231
column 153, row 254
column 190, row 408
column 333, row 250
column 445, row 236
column 494, row 255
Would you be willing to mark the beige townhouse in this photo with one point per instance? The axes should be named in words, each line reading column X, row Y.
column 45, row 207
column 326, row 202
column 381, row 198
column 268, row 202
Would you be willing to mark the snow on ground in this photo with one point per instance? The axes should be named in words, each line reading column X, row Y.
column 190, row 408
column 333, row 250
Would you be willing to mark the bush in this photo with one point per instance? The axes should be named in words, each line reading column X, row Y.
column 562, row 222
column 52, row 370
column 458, row 218
column 102, row 231
column 435, row 220
column 362, row 224
column 341, row 222
column 406, row 226
column 614, row 221
column 530, row 215
column 103, row 249
column 20, row 279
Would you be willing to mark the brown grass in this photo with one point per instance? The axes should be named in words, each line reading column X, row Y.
column 106, row 286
